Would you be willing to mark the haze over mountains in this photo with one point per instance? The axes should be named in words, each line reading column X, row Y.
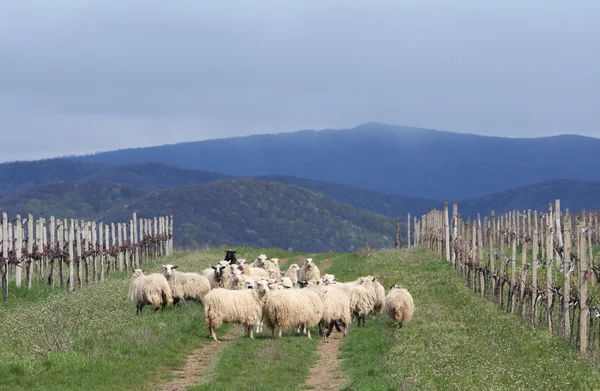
column 373, row 167
column 391, row 159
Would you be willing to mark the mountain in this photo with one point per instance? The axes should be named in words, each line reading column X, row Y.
column 386, row 204
column 18, row 176
column 390, row 159
column 69, row 199
column 261, row 213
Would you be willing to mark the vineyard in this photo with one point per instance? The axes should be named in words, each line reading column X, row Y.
column 65, row 252
column 539, row 266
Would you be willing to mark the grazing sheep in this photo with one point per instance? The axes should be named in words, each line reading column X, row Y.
column 149, row 289
column 288, row 308
column 309, row 271
column 337, row 309
column 399, row 303
column 329, row 279
column 292, row 273
column 187, row 286
column 241, row 307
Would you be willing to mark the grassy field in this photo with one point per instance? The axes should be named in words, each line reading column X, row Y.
column 92, row 340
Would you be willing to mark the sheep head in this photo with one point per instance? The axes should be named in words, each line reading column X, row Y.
column 138, row 273
column 262, row 286
column 308, row 262
column 169, row 269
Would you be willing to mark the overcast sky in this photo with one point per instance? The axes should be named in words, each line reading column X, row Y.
column 84, row 75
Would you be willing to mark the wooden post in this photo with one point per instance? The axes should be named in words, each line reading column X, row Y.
column 101, row 248
column 120, row 253
column 18, row 252
column 171, row 233
column 534, row 262
column 5, row 240
column 113, row 242
column 61, row 245
column 446, row 227
column 78, row 233
column 134, row 241
column 583, row 276
column 523, row 275
column 568, row 266
column 408, row 231
column 71, row 255
column 513, row 267
column 549, row 253
column 29, row 265
column 93, row 249
column 52, row 248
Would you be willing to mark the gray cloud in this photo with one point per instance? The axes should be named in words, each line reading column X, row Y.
column 76, row 76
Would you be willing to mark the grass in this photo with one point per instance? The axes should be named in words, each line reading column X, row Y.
column 91, row 339
column 455, row 340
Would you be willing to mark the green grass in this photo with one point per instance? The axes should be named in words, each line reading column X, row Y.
column 455, row 340
column 91, row 339
column 262, row 364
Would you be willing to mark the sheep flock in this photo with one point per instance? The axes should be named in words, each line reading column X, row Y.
column 260, row 293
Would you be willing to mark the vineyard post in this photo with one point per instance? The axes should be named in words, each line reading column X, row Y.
column 94, row 253
column 120, row 243
column 5, row 255
column 566, row 273
column 583, row 276
column 62, row 234
column 534, row 261
column 446, row 232
column 52, row 247
column 549, row 253
column 557, row 233
column 408, row 232
column 29, row 266
column 18, row 251
column 79, row 234
column 102, row 248
column 71, row 255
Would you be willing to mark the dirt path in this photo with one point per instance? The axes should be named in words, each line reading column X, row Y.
column 198, row 361
column 325, row 374
column 325, row 264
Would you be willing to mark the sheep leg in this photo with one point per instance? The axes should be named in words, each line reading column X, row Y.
column 308, row 333
column 250, row 332
column 280, row 331
column 273, row 333
column 213, row 334
column 330, row 329
column 400, row 325
column 364, row 318
column 337, row 326
column 156, row 308
column 176, row 300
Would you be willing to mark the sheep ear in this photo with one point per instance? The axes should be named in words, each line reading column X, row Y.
column 374, row 279
column 174, row 267
column 214, row 267
column 164, row 266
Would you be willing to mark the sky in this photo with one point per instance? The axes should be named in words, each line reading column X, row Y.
column 78, row 76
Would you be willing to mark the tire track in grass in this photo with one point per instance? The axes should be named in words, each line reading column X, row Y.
column 197, row 362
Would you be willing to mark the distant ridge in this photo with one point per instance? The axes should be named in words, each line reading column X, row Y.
column 391, row 159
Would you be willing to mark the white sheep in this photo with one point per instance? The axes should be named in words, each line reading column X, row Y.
column 400, row 305
column 286, row 282
column 149, row 289
column 241, row 307
column 292, row 307
column 337, row 309
column 187, row 286
column 219, row 276
column 363, row 298
column 292, row 273
column 309, row 271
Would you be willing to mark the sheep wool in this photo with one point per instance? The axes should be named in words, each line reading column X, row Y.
column 292, row 273
column 309, row 271
column 337, row 308
column 400, row 305
column 150, row 289
column 240, row 307
column 288, row 308
column 187, row 286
